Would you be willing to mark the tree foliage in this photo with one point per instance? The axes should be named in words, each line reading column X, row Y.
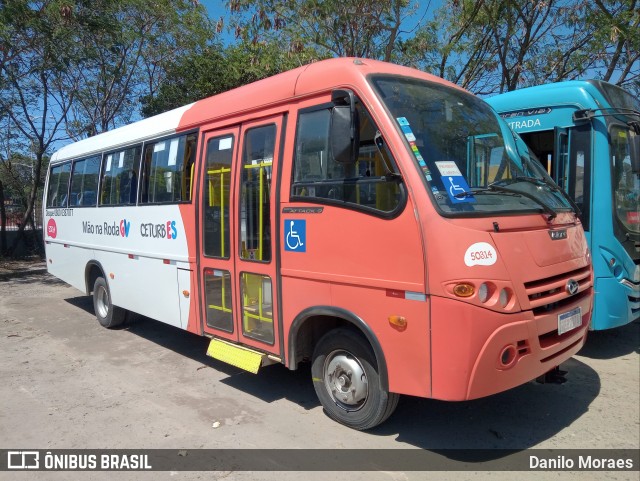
column 73, row 68
column 491, row 46
column 216, row 70
column 616, row 40
column 127, row 45
column 37, row 48
column 343, row 28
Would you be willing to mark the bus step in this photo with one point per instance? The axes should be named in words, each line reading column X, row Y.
column 238, row 356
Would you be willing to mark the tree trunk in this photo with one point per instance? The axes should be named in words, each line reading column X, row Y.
column 35, row 184
column 3, row 223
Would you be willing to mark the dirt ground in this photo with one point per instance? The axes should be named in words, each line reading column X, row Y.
column 66, row 382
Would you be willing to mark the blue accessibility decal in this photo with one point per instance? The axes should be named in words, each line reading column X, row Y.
column 457, row 189
column 295, row 235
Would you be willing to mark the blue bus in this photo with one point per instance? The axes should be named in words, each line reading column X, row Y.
column 587, row 136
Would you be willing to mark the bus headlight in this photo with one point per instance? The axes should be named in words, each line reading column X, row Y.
column 504, row 297
column 483, row 292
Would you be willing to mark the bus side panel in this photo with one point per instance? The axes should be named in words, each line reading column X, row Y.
column 190, row 301
column 406, row 350
column 67, row 262
column 143, row 285
column 139, row 249
column 375, row 269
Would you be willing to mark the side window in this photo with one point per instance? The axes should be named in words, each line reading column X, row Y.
column 84, row 182
column 216, row 199
column 120, row 177
column 168, row 170
column 317, row 176
column 58, row 185
column 255, row 193
column 578, row 173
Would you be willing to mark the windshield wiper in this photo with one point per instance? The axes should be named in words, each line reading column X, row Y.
column 505, row 190
column 540, row 181
column 487, row 190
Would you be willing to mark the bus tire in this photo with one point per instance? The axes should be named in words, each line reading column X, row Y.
column 346, row 380
column 108, row 315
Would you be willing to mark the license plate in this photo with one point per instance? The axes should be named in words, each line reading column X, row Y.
column 569, row 320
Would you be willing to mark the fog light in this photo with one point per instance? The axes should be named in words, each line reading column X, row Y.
column 483, row 292
column 618, row 271
column 463, row 290
column 508, row 356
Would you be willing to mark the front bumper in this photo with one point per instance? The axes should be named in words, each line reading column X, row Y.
column 477, row 352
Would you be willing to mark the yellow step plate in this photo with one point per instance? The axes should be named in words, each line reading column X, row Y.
column 238, row 356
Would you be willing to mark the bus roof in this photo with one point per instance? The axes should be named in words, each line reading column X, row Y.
column 303, row 81
column 581, row 94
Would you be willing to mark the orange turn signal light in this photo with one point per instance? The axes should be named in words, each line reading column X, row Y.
column 398, row 322
column 464, row 289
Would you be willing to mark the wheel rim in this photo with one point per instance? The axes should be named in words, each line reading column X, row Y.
column 102, row 302
column 345, row 380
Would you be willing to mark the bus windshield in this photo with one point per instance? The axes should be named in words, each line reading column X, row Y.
column 473, row 163
column 624, row 120
column 626, row 177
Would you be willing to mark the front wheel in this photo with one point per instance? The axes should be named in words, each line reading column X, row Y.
column 108, row 315
column 347, row 381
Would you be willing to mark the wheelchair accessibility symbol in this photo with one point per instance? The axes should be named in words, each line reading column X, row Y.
column 456, row 185
column 295, row 235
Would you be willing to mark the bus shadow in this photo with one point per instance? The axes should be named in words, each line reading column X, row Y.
column 518, row 419
column 271, row 384
column 82, row 302
column 612, row 343
column 469, row 431
column 31, row 276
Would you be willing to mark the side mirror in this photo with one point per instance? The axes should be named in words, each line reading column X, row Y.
column 635, row 149
column 344, row 129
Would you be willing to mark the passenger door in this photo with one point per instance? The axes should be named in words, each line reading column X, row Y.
column 257, row 230
column 217, row 235
column 238, row 231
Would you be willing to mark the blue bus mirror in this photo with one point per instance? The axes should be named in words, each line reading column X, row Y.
column 635, row 147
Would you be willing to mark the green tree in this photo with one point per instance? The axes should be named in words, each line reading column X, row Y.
column 491, row 46
column 616, row 41
column 127, row 45
column 214, row 70
column 456, row 44
column 72, row 68
column 343, row 28
column 36, row 46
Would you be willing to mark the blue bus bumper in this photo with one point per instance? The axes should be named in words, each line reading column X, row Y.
column 615, row 303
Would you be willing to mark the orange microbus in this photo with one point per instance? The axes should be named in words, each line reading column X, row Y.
column 377, row 221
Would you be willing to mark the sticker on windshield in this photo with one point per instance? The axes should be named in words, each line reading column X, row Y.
column 411, row 138
column 454, row 183
column 480, row 254
column 448, row 169
column 457, row 189
column 406, row 129
column 408, row 133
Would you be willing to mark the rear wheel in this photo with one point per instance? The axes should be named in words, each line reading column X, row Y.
column 347, row 381
column 108, row 315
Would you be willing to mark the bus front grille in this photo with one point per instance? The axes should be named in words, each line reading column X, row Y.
column 550, row 293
